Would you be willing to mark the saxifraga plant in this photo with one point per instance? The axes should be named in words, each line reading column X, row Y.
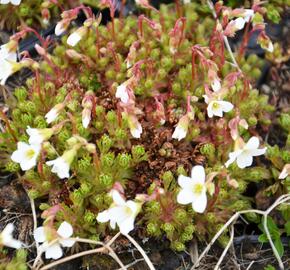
column 139, row 110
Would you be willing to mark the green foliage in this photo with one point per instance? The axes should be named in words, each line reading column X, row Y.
column 29, row 12
column 269, row 267
column 18, row 262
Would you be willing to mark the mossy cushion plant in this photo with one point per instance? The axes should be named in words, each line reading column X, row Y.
column 135, row 125
column 33, row 13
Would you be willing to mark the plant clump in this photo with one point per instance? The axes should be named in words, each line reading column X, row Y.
column 144, row 123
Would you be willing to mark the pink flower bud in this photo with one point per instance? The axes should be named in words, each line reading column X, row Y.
column 87, row 103
column 132, row 54
column 265, row 42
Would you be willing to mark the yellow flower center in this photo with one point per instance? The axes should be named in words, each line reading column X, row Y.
column 215, row 105
column 30, row 153
column 198, row 188
column 128, row 211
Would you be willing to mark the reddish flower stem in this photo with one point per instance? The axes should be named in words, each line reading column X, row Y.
column 37, row 78
column 245, row 40
column 193, row 71
column 178, row 8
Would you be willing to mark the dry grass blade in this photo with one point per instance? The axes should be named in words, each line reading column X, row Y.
column 232, row 220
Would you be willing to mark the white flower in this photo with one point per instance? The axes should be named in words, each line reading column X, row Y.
column 121, row 212
column 285, row 172
column 61, row 27
column 60, row 237
column 8, row 51
column 217, row 107
column 86, row 119
column 26, row 155
column 134, row 126
column 216, row 85
column 239, row 23
column 248, row 15
column 244, row 155
column 75, row 37
column 6, row 238
column 182, row 127
column 179, row 133
column 6, row 71
column 53, row 113
column 193, row 189
column 8, row 64
column 87, row 103
column 122, row 93
column 136, row 131
column 13, row 2
column 270, row 47
column 37, row 135
column 61, row 165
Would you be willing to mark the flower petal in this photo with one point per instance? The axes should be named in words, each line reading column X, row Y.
column 103, row 216
column 15, row 2
column 113, row 224
column 198, row 173
column 257, row 152
column 179, row 133
column 65, row 230
column 226, row 106
column 8, row 230
column 239, row 23
column 13, row 243
column 117, row 198
column 185, row 196
column 232, row 158
column 210, row 110
column 244, row 160
column 185, row 182
column 28, row 164
column 119, row 214
column 200, row 202
column 53, row 252
column 74, row 39
column 67, row 242
column 133, row 206
column 39, row 234
column 127, row 225
column 216, row 85
column 122, row 93
column 253, row 143
column 19, row 154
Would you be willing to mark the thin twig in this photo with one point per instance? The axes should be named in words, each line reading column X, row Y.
column 250, row 265
column 80, row 254
column 104, row 249
column 132, row 263
column 226, row 249
column 34, row 217
column 32, row 204
column 140, row 249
